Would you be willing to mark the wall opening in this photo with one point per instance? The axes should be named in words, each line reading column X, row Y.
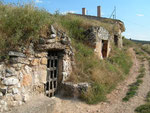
column 53, row 73
column 104, row 48
column 116, row 40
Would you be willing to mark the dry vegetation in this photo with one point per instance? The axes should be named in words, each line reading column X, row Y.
column 104, row 75
column 21, row 24
column 145, row 108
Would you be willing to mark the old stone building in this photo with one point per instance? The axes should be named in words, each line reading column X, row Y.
column 42, row 68
column 38, row 69
column 100, row 38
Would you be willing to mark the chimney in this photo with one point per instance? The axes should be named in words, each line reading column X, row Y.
column 83, row 11
column 98, row 11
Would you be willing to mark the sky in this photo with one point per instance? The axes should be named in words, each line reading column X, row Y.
column 134, row 13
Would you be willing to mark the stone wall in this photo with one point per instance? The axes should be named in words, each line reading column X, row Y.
column 24, row 74
column 95, row 36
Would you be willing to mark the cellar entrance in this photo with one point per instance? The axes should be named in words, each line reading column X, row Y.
column 52, row 73
column 104, row 48
column 116, row 40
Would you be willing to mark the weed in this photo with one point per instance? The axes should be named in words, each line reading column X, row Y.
column 95, row 94
column 148, row 97
column 146, row 107
column 143, row 108
column 134, row 86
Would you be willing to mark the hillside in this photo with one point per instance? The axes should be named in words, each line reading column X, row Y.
column 22, row 25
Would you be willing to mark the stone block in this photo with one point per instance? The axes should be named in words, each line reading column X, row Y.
column 65, row 41
column 19, row 60
column 1, row 95
column 1, row 67
column 9, row 75
column 3, row 90
column 25, row 98
column 27, row 80
column 28, row 69
column 53, row 36
column 44, row 61
column 43, row 75
column 9, row 71
column 17, row 97
column 10, row 81
column 41, row 54
column 53, row 31
column 50, row 41
column 15, row 90
column 16, row 54
column 35, row 62
column 75, row 90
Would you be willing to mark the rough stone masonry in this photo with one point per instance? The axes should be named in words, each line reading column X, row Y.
column 25, row 74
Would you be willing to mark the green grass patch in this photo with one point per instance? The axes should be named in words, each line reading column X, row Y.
column 143, row 108
column 146, row 107
column 134, row 86
column 148, row 97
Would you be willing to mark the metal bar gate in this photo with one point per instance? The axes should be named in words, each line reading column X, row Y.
column 52, row 74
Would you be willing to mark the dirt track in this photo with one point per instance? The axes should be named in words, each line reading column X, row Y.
column 114, row 103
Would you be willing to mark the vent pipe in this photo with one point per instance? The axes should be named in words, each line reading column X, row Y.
column 83, row 11
column 98, row 11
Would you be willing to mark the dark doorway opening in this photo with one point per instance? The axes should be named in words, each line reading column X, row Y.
column 104, row 48
column 116, row 40
column 53, row 68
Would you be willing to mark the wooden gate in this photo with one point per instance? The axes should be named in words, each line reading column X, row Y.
column 52, row 74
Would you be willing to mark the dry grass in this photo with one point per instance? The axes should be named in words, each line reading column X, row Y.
column 146, row 48
column 25, row 23
column 104, row 75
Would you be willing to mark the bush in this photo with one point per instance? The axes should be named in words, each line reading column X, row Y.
column 95, row 94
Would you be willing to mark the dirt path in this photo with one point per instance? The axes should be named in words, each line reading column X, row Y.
column 114, row 104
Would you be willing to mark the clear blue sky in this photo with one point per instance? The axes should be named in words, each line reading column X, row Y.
column 134, row 13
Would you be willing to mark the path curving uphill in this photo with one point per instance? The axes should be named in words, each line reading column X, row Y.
column 114, row 103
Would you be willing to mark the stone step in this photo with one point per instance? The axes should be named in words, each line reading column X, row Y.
column 41, row 104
